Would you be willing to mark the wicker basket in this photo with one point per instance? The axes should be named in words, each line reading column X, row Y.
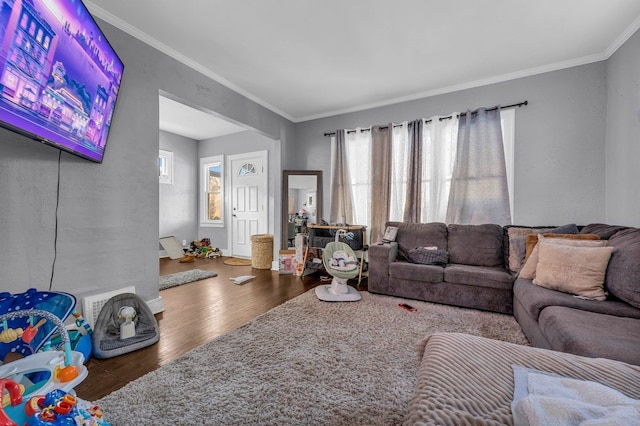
column 261, row 251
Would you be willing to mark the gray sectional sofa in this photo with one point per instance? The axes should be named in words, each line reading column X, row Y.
column 601, row 329
column 479, row 274
column 474, row 277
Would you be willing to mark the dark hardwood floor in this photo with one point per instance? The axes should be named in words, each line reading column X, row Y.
column 194, row 314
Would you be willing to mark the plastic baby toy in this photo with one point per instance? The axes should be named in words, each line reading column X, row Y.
column 59, row 408
column 128, row 327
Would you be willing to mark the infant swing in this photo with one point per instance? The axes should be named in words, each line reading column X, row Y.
column 341, row 263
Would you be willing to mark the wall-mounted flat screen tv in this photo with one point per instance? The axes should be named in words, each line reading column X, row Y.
column 59, row 76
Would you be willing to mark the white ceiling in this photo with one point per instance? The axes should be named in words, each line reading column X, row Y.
column 178, row 118
column 309, row 59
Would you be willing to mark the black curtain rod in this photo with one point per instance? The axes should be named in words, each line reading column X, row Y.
column 519, row 104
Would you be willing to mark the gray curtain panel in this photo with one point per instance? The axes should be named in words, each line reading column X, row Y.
column 341, row 210
column 380, row 179
column 413, row 199
column 479, row 192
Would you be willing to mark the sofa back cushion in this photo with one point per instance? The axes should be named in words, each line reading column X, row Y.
column 623, row 273
column 413, row 235
column 479, row 245
column 602, row 230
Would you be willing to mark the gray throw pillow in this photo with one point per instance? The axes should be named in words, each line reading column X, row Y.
column 428, row 256
column 571, row 228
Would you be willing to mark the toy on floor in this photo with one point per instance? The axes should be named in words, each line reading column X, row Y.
column 128, row 327
column 242, row 279
column 202, row 249
column 107, row 336
column 40, row 372
column 80, row 339
column 340, row 262
column 54, row 408
column 63, row 372
column 38, row 333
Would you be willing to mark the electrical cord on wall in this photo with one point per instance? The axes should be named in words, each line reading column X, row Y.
column 55, row 235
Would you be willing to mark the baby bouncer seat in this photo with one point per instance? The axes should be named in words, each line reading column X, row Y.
column 341, row 263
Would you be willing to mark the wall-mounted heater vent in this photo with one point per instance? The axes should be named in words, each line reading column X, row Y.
column 91, row 305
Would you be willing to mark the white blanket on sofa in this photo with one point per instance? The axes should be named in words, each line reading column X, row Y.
column 542, row 398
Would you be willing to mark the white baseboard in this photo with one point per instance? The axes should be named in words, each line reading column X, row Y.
column 275, row 265
column 156, row 305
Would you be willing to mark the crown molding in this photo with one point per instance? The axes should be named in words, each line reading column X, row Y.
column 463, row 86
column 622, row 38
column 146, row 38
column 126, row 27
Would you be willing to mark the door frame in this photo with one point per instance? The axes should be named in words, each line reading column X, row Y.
column 264, row 219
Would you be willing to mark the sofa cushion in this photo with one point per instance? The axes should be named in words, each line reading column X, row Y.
column 590, row 334
column 623, row 274
column 534, row 299
column 478, row 276
column 604, row 231
column 528, row 270
column 575, row 270
column 412, row 235
column 479, row 245
column 416, row 272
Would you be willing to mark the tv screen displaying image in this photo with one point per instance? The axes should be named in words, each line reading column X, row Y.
column 59, row 76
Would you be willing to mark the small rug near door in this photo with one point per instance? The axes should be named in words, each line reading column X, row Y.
column 179, row 278
column 236, row 261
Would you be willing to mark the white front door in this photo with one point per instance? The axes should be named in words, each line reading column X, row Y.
column 248, row 200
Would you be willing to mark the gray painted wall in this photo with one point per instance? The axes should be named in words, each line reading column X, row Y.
column 239, row 143
column 178, row 202
column 559, row 152
column 108, row 213
column 108, row 218
column 623, row 134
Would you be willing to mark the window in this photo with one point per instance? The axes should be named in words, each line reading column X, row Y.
column 212, row 191
column 247, row 169
column 439, row 143
column 165, row 167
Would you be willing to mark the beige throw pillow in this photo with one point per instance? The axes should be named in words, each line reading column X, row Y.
column 528, row 270
column 532, row 240
column 575, row 270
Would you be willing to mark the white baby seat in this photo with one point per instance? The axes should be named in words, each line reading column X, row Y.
column 341, row 263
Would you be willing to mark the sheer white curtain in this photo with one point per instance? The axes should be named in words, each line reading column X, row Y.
column 399, row 161
column 439, row 141
column 358, row 152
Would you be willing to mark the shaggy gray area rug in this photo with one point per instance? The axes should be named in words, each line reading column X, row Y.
column 179, row 278
column 305, row 362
